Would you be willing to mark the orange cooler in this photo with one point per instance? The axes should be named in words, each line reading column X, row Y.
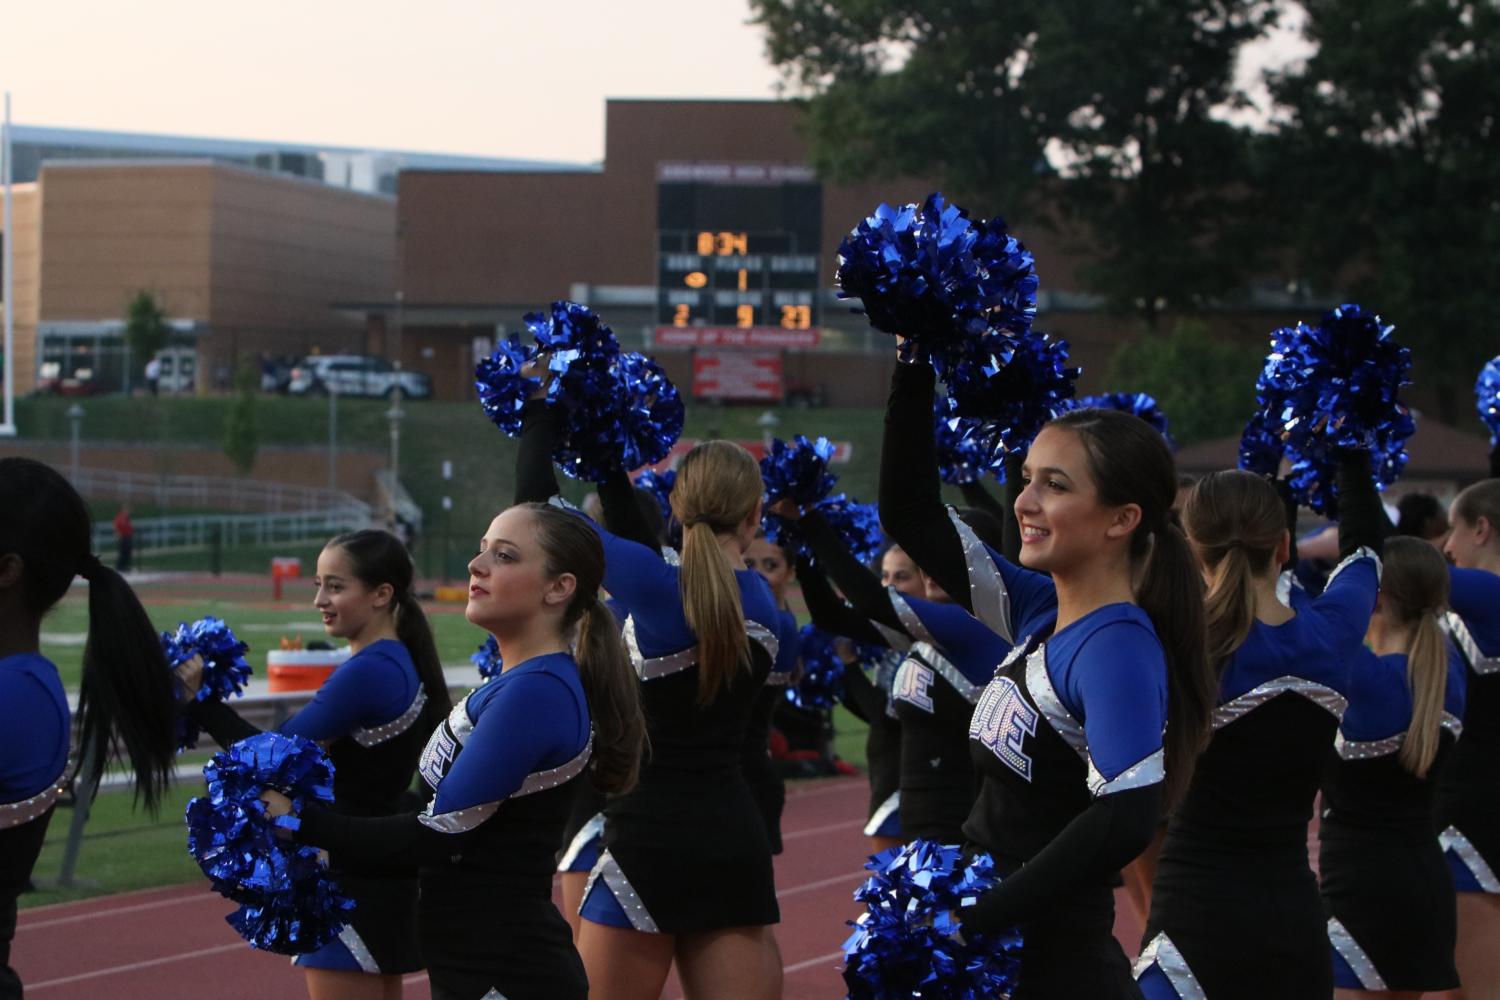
column 301, row 669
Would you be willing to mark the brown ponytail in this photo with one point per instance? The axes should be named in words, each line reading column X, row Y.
column 1236, row 520
column 717, row 489
column 1131, row 464
column 1414, row 588
column 570, row 545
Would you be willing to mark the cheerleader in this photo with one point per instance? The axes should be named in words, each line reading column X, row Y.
column 374, row 713
column 868, row 697
column 1097, row 711
column 501, row 767
column 952, row 656
column 685, row 874
column 1386, row 888
column 766, row 785
column 1468, row 810
column 1234, row 862
column 126, row 693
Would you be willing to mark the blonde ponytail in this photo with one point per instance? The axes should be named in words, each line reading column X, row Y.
column 1229, row 608
column 1414, row 591
column 614, row 696
column 1235, row 520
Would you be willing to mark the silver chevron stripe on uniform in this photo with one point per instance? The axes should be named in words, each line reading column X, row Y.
column 1459, row 633
column 1453, row 724
column 893, row 638
column 987, row 594
column 1039, row 683
column 1367, row 749
column 1452, row 840
column 767, row 639
column 376, row 735
column 1149, row 771
column 1163, row 954
column 1319, row 694
column 462, row 820
column 1343, row 942
column 593, row 828
column 608, row 869
column 1363, row 552
column 1285, row 582
column 650, row 668
column 944, row 668
column 909, row 618
column 26, row 810
column 540, row 781
column 883, row 812
column 349, row 938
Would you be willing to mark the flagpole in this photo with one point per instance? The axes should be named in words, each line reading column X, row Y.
column 7, row 278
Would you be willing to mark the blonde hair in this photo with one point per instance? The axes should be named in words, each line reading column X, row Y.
column 1235, row 520
column 718, row 485
column 1414, row 586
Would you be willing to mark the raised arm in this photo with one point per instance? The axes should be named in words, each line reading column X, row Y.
column 831, row 614
column 536, row 479
column 860, row 587
column 622, row 511
column 1362, row 520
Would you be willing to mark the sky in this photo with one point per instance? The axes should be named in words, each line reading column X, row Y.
column 513, row 78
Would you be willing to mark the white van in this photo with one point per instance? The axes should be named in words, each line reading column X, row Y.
column 179, row 369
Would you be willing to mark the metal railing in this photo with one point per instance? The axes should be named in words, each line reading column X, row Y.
column 223, row 492
column 202, row 531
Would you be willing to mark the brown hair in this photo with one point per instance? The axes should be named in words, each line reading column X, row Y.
column 1131, row 463
column 1414, row 587
column 1480, row 500
column 570, row 545
column 718, row 486
column 1235, row 520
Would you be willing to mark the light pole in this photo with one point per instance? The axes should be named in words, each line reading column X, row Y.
column 333, row 438
column 394, row 415
column 768, row 423
column 75, row 419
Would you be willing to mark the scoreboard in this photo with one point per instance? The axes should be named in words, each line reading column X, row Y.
column 738, row 246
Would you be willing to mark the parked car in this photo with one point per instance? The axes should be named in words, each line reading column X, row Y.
column 355, row 375
column 50, row 380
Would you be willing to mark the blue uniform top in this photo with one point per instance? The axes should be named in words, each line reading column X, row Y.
column 531, row 718
column 34, row 736
column 1380, row 699
column 965, row 641
column 371, row 688
column 1475, row 598
column 788, row 633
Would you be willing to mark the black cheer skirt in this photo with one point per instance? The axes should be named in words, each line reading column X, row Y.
column 382, row 931
column 476, row 942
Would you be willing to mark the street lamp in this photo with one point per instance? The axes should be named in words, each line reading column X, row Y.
column 75, row 418
column 333, row 438
column 768, row 423
column 394, row 415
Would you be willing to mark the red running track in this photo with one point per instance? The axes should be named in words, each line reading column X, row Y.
column 173, row 942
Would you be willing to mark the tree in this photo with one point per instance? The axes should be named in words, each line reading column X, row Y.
column 1106, row 116
column 1205, row 386
column 146, row 329
column 1384, row 174
column 241, row 439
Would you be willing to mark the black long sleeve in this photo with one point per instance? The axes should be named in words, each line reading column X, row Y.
column 1011, row 536
column 220, row 721
column 861, row 587
column 622, row 511
column 1362, row 519
column 1289, row 507
column 911, row 498
column 1099, row 841
column 831, row 614
column 536, row 480
column 861, row 697
column 377, row 840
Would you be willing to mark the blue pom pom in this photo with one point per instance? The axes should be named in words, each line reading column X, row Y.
column 1334, row 386
column 289, row 903
column 225, row 669
column 822, row 670
column 659, row 485
column 967, row 449
column 930, row 274
column 487, row 658
column 654, row 412
column 1487, row 397
column 502, row 389
column 904, row 945
column 798, row 472
column 1139, row 404
column 857, row 525
column 1261, row 447
column 572, row 333
column 1017, row 383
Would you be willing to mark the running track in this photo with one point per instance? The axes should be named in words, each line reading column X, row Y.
column 173, row 942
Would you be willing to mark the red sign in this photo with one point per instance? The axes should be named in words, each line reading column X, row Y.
column 734, row 336
column 752, row 375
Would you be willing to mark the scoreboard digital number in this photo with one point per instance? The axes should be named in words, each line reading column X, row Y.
column 736, row 250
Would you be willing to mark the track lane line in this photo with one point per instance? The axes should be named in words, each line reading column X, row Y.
column 116, row 911
column 133, row 966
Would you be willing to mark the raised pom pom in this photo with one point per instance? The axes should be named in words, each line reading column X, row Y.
column 857, row 524
column 904, row 944
column 502, row 389
column 659, row 485
column 967, row 449
column 1261, row 446
column 930, row 274
column 568, row 333
column 1017, row 383
column 1487, row 397
column 1139, row 404
column 290, row 904
column 487, row 658
column 1334, row 386
column 798, row 472
column 654, row 412
column 225, row 669
column 822, row 670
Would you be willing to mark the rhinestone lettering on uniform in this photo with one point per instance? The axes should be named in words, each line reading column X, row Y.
column 1002, row 721
column 913, row 678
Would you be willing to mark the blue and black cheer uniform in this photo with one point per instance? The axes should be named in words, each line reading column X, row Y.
column 1468, row 808
column 766, row 785
column 35, row 728
column 585, row 828
column 1386, row 888
column 370, row 713
column 686, row 850
column 1234, row 863
column 1066, row 738
column 502, row 770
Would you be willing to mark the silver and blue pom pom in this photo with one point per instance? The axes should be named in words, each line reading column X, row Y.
column 1487, row 398
column 502, row 389
column 289, row 903
column 1014, row 383
column 486, row 659
column 822, row 677
column 1137, row 404
column 798, row 471
column 905, row 943
column 225, row 669
column 968, row 450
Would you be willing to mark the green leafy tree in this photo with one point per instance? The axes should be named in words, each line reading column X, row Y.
column 1384, row 175
column 146, row 329
column 1206, row 386
column 241, row 438
column 1106, row 117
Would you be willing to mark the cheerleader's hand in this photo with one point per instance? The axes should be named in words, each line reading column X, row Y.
column 277, row 805
column 540, row 369
column 189, row 679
